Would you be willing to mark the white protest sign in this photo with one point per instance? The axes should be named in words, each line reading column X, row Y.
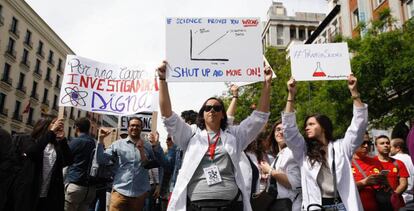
column 106, row 88
column 214, row 49
column 320, row 62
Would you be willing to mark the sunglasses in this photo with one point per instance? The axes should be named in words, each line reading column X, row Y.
column 367, row 142
column 216, row 108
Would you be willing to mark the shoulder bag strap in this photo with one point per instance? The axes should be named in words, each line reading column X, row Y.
column 359, row 168
column 334, row 176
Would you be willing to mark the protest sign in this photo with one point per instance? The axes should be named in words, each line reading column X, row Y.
column 214, row 49
column 320, row 62
column 146, row 118
column 106, row 88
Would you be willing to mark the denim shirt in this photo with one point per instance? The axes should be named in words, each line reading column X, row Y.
column 131, row 179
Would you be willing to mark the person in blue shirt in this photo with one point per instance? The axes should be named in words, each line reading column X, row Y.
column 79, row 191
column 131, row 157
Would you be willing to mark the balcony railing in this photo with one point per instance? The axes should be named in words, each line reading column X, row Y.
column 14, row 32
column 11, row 53
column 7, row 80
column 28, row 43
column 51, row 62
column 17, row 117
column 4, row 112
column 25, row 63
column 41, row 54
column 35, row 96
column 1, row 20
column 45, row 102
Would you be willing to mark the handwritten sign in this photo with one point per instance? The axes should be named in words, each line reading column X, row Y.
column 107, row 89
column 214, row 49
column 146, row 118
column 320, row 62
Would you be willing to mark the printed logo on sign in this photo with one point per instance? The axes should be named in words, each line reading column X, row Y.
column 250, row 22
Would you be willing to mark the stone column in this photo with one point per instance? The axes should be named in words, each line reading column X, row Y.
column 297, row 32
column 306, row 33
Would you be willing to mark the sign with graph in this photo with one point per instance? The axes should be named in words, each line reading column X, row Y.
column 319, row 62
column 214, row 49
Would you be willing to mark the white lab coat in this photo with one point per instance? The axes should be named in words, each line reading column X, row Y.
column 344, row 149
column 287, row 164
column 235, row 139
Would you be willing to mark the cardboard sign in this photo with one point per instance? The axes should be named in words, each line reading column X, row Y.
column 107, row 89
column 214, row 49
column 320, row 62
column 146, row 118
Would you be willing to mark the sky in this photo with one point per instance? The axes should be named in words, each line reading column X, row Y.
column 132, row 32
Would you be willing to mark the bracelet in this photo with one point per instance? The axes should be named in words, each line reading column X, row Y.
column 161, row 79
column 354, row 97
column 235, row 96
column 290, row 100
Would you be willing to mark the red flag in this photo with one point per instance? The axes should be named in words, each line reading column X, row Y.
column 27, row 109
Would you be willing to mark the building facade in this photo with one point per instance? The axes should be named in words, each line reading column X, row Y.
column 346, row 15
column 32, row 60
column 280, row 29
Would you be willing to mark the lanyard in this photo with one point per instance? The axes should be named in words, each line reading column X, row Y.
column 212, row 147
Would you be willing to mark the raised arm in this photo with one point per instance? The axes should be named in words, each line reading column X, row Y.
column 355, row 132
column 231, row 110
column 164, row 95
column 264, row 102
column 290, row 103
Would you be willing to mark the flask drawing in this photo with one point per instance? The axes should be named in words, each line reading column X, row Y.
column 318, row 71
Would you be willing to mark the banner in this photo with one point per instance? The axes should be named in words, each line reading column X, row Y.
column 214, row 49
column 146, row 118
column 106, row 88
column 320, row 62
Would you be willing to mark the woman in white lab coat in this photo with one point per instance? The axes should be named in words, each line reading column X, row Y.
column 321, row 158
column 210, row 174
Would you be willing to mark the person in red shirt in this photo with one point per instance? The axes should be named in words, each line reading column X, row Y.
column 366, row 171
column 397, row 172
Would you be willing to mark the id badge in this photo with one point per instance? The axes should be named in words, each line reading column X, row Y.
column 212, row 174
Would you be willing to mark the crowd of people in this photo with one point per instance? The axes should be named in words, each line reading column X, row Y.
column 211, row 162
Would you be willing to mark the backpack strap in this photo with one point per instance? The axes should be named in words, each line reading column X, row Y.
column 359, row 168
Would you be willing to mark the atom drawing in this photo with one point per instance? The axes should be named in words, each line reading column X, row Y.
column 74, row 96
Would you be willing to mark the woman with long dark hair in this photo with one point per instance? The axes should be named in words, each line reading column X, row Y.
column 285, row 172
column 325, row 163
column 210, row 176
column 44, row 153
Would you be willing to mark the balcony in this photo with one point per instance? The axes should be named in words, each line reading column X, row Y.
column 35, row 96
column 46, row 102
column 11, row 53
column 25, row 64
column 28, row 44
column 37, row 74
column 55, row 107
column 51, row 62
column 7, row 80
column 30, row 122
column 17, row 117
column 4, row 112
column 41, row 54
column 21, row 89
column 14, row 32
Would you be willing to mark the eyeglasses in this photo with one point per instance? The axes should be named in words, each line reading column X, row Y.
column 135, row 126
column 367, row 142
column 216, row 108
column 278, row 129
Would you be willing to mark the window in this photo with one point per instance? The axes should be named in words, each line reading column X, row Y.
column 48, row 70
column 37, row 66
column 355, row 18
column 16, row 113
column 13, row 26
column 10, row 46
column 55, row 99
column 25, row 56
column 2, row 102
column 34, row 90
column 59, row 67
column 6, row 72
column 279, row 35
column 57, row 84
column 410, row 7
column 28, row 38
column 50, row 59
column 46, row 92
column 20, row 86
column 40, row 48
column 79, row 113
column 30, row 117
